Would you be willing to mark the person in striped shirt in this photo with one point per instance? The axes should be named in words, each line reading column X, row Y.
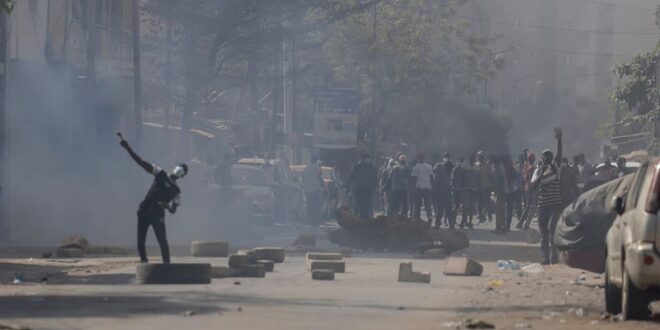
column 546, row 181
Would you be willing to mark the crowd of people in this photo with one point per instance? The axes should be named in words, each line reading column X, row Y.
column 479, row 188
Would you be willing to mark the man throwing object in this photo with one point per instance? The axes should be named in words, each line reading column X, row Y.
column 164, row 194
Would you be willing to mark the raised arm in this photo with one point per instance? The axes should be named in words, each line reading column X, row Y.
column 144, row 164
column 558, row 136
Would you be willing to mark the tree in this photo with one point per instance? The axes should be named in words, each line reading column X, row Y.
column 6, row 6
column 637, row 92
column 415, row 59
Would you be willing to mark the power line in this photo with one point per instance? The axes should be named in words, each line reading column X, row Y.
column 553, row 28
column 620, row 5
column 576, row 52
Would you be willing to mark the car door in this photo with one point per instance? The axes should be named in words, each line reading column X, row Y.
column 616, row 234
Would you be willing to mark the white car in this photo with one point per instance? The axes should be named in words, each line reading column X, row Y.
column 632, row 269
column 254, row 184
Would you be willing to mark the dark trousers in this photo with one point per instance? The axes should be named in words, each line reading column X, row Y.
column 530, row 210
column 468, row 203
column 484, row 206
column 513, row 203
column 363, row 202
column 423, row 196
column 548, row 218
column 314, row 206
column 443, row 207
column 398, row 202
column 500, row 211
column 158, row 223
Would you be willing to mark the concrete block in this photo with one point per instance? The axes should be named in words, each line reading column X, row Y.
column 239, row 261
column 406, row 274
column 324, row 256
column 69, row 253
column 274, row 254
column 463, row 267
column 334, row 265
column 222, row 272
column 209, row 249
column 251, row 255
column 253, row 271
column 323, row 275
column 268, row 265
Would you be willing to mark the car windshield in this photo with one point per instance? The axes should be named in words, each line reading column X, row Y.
column 248, row 177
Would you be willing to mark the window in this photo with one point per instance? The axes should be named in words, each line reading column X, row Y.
column 102, row 12
column 335, row 125
column 78, row 9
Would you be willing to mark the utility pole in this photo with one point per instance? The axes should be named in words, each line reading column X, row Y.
column 168, row 68
column 137, row 69
column 4, row 35
column 295, row 116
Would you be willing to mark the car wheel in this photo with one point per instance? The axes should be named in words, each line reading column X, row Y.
column 634, row 302
column 612, row 295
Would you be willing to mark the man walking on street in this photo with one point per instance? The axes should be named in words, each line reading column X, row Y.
column 399, row 185
column 363, row 181
column 422, row 174
column 164, row 194
column 313, row 187
column 442, row 195
column 465, row 183
column 547, row 180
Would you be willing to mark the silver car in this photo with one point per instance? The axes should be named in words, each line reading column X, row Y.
column 633, row 258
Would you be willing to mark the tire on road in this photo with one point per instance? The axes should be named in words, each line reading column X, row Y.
column 209, row 249
column 612, row 295
column 173, row 274
column 634, row 302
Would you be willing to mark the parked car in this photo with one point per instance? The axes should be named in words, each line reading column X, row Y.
column 289, row 196
column 598, row 178
column 252, row 182
column 632, row 270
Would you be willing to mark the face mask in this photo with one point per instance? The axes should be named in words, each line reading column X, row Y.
column 179, row 171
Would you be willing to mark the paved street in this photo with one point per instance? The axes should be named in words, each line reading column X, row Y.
column 100, row 293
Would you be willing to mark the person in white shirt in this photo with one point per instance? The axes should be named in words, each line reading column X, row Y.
column 422, row 174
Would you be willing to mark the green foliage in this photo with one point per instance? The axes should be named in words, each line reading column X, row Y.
column 6, row 6
column 419, row 55
column 638, row 92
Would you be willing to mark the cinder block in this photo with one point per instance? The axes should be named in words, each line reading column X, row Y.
column 324, row 256
column 463, row 267
column 239, row 261
column 69, row 253
column 251, row 255
column 323, row 275
column 334, row 265
column 406, row 274
column 253, row 271
column 268, row 265
column 274, row 254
